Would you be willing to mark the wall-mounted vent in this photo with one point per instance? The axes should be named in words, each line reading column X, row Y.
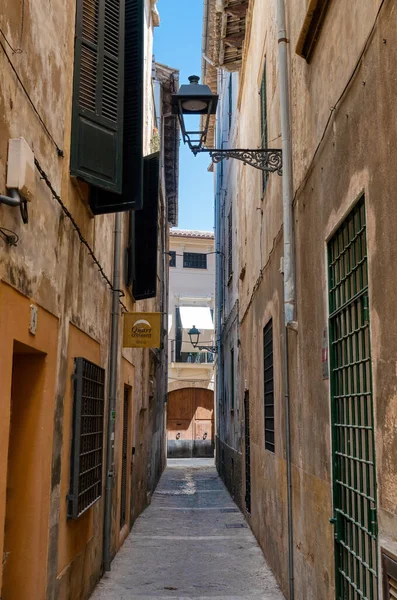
column 389, row 577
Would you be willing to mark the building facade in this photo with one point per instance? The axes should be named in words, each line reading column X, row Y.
column 191, row 371
column 311, row 445
column 82, row 434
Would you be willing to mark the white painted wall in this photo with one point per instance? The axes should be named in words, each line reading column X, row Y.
column 190, row 287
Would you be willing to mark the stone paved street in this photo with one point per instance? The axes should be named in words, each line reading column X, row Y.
column 191, row 542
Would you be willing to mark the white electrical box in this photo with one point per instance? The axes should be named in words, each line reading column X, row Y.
column 20, row 168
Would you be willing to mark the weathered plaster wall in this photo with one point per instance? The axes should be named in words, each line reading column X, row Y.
column 51, row 269
column 355, row 157
column 189, row 287
column 356, row 148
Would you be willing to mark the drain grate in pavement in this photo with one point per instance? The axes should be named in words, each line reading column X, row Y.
column 234, row 525
column 229, row 510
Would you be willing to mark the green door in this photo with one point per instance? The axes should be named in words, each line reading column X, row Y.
column 354, row 469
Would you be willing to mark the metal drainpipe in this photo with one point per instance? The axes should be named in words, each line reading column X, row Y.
column 114, row 342
column 289, row 266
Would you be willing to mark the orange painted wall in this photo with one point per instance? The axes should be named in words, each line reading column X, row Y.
column 33, row 463
column 74, row 535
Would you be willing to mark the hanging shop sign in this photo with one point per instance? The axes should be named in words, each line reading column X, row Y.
column 142, row 330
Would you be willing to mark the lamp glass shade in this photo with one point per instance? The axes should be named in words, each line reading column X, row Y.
column 194, row 105
column 194, row 335
column 194, row 98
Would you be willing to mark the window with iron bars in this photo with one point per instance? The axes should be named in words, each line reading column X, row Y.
column 172, row 254
column 194, row 260
column 232, row 373
column 268, row 386
column 230, row 243
column 87, row 441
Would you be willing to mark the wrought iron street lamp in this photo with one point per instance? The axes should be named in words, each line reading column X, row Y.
column 197, row 99
column 194, row 335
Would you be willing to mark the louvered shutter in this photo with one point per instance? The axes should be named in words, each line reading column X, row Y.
column 146, row 232
column 98, row 92
column 263, row 113
column 132, row 189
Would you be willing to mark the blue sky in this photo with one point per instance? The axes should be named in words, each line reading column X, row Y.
column 177, row 43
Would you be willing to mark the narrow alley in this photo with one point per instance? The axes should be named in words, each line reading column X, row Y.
column 190, row 508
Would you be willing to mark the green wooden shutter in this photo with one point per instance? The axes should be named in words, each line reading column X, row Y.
column 146, row 232
column 263, row 113
column 132, row 189
column 98, row 92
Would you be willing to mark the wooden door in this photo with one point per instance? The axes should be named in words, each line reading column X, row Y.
column 190, row 423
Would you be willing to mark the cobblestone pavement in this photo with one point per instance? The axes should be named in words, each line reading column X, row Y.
column 191, row 542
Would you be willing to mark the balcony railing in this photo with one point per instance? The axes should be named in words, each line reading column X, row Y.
column 196, row 358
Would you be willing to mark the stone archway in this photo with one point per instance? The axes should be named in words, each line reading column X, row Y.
column 190, row 423
column 182, row 384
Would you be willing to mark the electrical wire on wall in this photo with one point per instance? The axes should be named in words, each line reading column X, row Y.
column 82, row 239
column 10, row 237
column 19, row 51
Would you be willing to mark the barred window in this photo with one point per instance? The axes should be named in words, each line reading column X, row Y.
column 232, row 379
column 172, row 258
column 269, row 386
column 87, row 440
column 230, row 243
column 194, row 260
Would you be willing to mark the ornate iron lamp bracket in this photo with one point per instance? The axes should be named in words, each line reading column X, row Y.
column 270, row 160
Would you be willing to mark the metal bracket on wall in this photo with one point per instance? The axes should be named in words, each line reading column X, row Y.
column 15, row 199
column 264, row 159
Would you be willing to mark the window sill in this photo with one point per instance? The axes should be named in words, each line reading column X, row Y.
column 311, row 28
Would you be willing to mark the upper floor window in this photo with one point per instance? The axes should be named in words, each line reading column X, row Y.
column 108, row 103
column 194, row 260
column 311, row 29
column 263, row 115
column 230, row 95
column 232, row 375
column 172, row 258
column 268, row 386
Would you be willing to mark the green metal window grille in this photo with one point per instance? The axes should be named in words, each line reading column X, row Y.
column 263, row 116
column 194, row 260
column 268, row 385
column 354, row 471
column 247, row 442
column 232, row 379
column 87, row 441
column 124, row 459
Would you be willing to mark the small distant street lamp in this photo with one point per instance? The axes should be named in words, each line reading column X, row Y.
column 194, row 335
column 197, row 99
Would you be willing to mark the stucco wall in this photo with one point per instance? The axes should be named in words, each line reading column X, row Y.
column 51, row 269
column 189, row 287
column 355, row 156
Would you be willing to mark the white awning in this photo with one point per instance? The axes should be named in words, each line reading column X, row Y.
column 199, row 316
